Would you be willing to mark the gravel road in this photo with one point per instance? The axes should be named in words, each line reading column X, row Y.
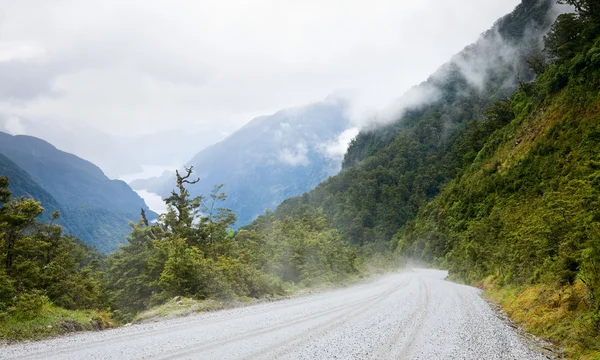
column 415, row 315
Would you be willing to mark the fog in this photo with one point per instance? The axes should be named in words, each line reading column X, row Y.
column 140, row 67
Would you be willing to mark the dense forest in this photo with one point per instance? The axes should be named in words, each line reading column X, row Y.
column 51, row 282
column 524, row 214
column 93, row 207
column 392, row 170
column 497, row 181
column 499, row 184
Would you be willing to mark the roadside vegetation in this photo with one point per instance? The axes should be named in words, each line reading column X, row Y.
column 500, row 188
column 187, row 261
column 506, row 198
column 524, row 215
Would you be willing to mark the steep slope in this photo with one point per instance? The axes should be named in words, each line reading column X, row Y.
column 390, row 171
column 523, row 219
column 270, row 159
column 502, row 190
column 94, row 207
column 21, row 184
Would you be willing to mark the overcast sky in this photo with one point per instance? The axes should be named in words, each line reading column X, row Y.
column 135, row 67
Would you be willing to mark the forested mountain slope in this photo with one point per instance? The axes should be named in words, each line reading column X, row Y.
column 525, row 214
column 269, row 160
column 492, row 173
column 93, row 207
column 502, row 190
column 23, row 185
column 390, row 171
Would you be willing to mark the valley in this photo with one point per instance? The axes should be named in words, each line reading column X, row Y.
column 488, row 170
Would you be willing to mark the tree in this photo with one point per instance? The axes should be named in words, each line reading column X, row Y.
column 16, row 216
column 133, row 271
column 564, row 38
column 182, row 209
column 588, row 10
column 40, row 262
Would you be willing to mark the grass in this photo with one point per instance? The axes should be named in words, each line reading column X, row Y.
column 178, row 307
column 51, row 321
column 182, row 306
column 559, row 314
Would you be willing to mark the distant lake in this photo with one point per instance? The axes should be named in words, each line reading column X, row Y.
column 154, row 202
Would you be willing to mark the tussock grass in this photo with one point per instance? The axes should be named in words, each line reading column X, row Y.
column 560, row 314
column 178, row 307
column 51, row 321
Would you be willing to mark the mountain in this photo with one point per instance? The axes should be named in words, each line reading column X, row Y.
column 21, row 184
column 94, row 207
column 522, row 216
column 494, row 175
column 133, row 152
column 392, row 169
column 270, row 159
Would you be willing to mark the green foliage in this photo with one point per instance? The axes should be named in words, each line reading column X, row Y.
column 563, row 40
column 29, row 305
column 50, row 320
column 391, row 171
column 134, row 270
column 41, row 268
column 488, row 184
column 92, row 207
column 510, row 193
column 303, row 249
column 188, row 272
column 524, row 210
column 189, row 252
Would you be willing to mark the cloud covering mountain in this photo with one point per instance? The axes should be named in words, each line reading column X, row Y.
column 270, row 159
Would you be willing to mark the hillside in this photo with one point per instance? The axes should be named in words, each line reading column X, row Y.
column 489, row 169
column 523, row 219
column 500, row 189
column 93, row 207
column 391, row 170
column 268, row 160
column 23, row 185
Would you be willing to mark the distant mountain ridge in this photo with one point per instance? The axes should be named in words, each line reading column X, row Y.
column 93, row 207
column 133, row 152
column 269, row 159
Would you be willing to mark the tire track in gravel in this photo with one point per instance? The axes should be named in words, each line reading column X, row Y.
column 86, row 346
column 190, row 322
column 418, row 316
column 354, row 308
column 284, row 347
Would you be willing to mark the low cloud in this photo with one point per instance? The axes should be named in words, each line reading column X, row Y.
column 336, row 149
column 296, row 156
column 133, row 68
column 491, row 52
column 14, row 126
column 475, row 63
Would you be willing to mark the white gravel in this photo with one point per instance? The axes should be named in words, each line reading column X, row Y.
column 415, row 315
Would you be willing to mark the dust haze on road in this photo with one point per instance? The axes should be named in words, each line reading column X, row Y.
column 413, row 315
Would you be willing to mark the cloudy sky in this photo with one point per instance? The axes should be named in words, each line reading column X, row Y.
column 137, row 67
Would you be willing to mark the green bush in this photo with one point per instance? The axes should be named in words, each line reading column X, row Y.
column 29, row 305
